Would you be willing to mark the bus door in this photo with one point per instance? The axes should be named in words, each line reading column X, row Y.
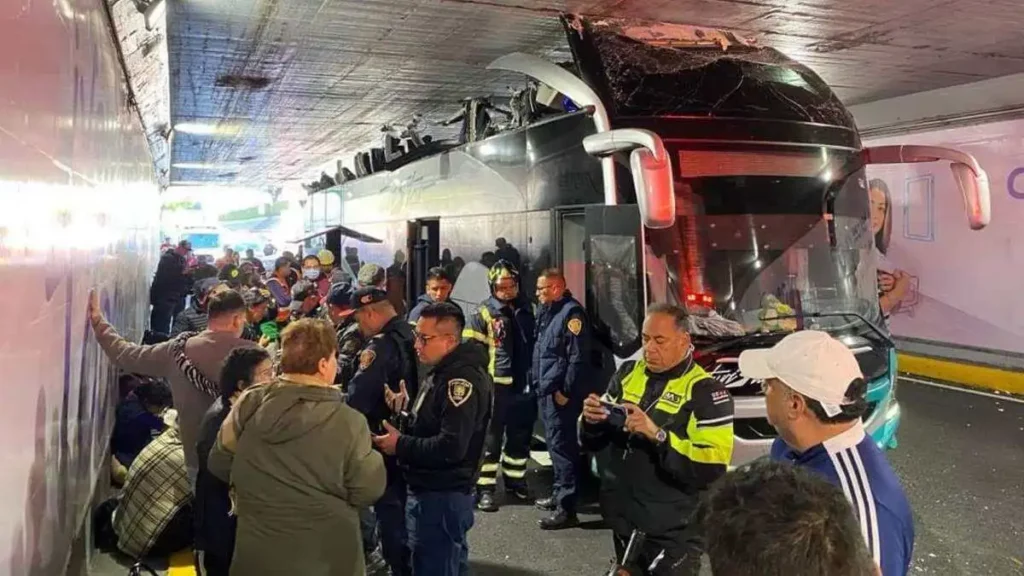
column 570, row 249
column 613, row 253
column 424, row 253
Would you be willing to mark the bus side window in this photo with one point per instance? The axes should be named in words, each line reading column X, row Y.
column 615, row 284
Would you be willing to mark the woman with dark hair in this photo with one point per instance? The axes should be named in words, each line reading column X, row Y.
column 214, row 523
column 893, row 284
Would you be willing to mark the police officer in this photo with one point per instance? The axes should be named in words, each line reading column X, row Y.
column 350, row 339
column 663, row 433
column 385, row 362
column 438, row 289
column 559, row 375
column 504, row 325
column 440, row 452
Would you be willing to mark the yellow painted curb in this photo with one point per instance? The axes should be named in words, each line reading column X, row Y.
column 181, row 564
column 984, row 377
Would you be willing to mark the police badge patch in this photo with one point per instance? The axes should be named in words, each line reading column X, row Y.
column 366, row 358
column 575, row 326
column 459, row 391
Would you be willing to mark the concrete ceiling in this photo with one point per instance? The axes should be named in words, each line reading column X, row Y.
column 293, row 84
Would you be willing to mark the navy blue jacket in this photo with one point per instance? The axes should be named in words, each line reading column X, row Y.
column 422, row 302
column 507, row 330
column 386, row 359
column 559, row 356
column 853, row 462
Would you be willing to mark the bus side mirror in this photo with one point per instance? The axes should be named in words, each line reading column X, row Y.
column 651, row 167
column 968, row 174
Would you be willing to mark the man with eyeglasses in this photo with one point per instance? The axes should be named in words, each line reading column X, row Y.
column 560, row 378
column 440, row 449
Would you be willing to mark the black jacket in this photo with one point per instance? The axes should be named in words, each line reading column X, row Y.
column 422, row 302
column 214, row 526
column 561, row 352
column 170, row 282
column 350, row 342
column 386, row 359
column 655, row 487
column 441, row 452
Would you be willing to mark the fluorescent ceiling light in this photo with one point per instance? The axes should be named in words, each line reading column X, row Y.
column 206, row 166
column 208, row 128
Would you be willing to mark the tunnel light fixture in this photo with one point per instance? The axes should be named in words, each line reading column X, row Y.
column 206, row 166
column 208, row 128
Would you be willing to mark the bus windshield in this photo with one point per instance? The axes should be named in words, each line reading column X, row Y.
column 748, row 251
column 203, row 240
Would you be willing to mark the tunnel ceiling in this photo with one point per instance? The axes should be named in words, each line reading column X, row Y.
column 295, row 84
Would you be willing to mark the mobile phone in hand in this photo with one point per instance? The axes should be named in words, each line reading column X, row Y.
column 616, row 414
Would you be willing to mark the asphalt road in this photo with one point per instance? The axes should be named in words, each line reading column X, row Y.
column 961, row 458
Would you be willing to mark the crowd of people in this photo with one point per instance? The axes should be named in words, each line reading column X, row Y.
column 318, row 429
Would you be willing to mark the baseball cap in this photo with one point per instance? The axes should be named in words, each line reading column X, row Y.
column 366, row 296
column 340, row 295
column 810, row 362
column 370, row 275
column 303, row 289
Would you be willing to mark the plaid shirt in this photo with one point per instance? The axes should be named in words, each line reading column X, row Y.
column 157, row 487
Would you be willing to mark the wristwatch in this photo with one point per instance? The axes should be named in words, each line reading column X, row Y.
column 661, row 436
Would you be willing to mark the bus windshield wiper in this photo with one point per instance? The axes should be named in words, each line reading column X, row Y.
column 759, row 334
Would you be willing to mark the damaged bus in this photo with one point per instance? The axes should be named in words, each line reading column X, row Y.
column 665, row 163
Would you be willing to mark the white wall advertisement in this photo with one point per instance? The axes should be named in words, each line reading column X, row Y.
column 938, row 279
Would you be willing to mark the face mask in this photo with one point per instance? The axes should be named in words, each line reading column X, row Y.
column 311, row 273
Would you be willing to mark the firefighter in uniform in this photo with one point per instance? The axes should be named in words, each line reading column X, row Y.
column 560, row 378
column 386, row 362
column 504, row 324
column 439, row 450
column 662, row 433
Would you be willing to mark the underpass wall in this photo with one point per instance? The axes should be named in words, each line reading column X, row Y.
column 961, row 317
column 78, row 209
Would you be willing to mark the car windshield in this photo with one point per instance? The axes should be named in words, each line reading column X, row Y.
column 749, row 250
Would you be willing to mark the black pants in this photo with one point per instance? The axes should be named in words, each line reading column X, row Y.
column 508, row 439
column 391, row 524
column 679, row 556
column 216, row 565
column 177, row 535
column 162, row 315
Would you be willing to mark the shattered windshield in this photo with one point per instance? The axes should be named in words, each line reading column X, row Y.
column 749, row 250
column 668, row 71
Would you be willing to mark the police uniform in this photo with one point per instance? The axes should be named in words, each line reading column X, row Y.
column 507, row 332
column 350, row 344
column 386, row 359
column 560, row 365
column 653, row 486
column 439, row 456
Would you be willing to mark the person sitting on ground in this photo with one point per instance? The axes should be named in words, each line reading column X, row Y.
column 214, row 523
column 138, row 419
column 774, row 519
column 815, row 398
column 187, row 361
column 154, row 515
column 300, row 463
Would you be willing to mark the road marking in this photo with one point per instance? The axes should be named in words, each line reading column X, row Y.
column 1007, row 398
column 973, row 375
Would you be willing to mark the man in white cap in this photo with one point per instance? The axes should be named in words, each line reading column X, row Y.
column 815, row 397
